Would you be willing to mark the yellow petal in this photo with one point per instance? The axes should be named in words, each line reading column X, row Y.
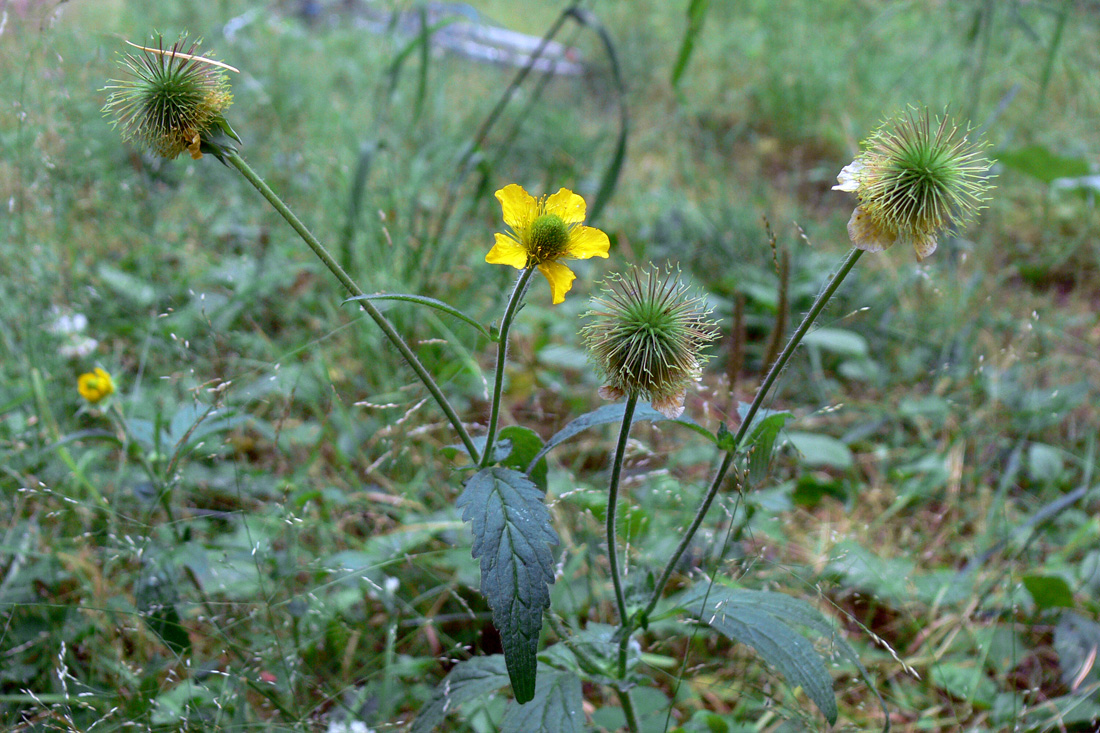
column 518, row 205
column 507, row 251
column 560, row 278
column 866, row 234
column 585, row 242
column 925, row 247
column 566, row 204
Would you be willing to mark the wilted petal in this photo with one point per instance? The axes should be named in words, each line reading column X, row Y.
column 585, row 242
column 611, row 393
column 925, row 247
column 566, row 204
column 866, row 234
column 848, row 179
column 518, row 206
column 671, row 406
column 560, row 278
column 507, row 251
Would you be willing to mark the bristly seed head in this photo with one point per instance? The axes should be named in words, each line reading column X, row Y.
column 172, row 100
column 646, row 336
column 915, row 180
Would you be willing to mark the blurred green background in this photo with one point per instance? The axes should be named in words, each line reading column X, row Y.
column 308, row 570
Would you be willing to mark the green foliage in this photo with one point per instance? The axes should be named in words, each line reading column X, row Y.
column 512, row 537
column 696, row 14
column 473, row 679
column 763, row 621
column 555, row 708
column 938, row 490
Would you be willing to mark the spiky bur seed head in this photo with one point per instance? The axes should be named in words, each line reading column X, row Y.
column 645, row 334
column 914, row 180
column 171, row 100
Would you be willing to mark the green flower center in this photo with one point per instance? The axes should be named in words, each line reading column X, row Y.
column 547, row 238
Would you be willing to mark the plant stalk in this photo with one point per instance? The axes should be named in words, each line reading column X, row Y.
column 407, row 354
column 612, row 502
column 502, row 361
column 761, row 394
column 628, row 709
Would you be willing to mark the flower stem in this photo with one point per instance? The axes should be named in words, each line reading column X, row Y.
column 746, row 423
column 407, row 354
column 628, row 709
column 612, row 501
column 502, row 360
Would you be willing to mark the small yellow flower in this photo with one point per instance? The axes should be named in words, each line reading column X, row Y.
column 95, row 385
column 545, row 231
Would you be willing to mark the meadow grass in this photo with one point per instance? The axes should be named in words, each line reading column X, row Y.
column 305, row 565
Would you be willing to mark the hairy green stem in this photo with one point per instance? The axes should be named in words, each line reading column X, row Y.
column 407, row 354
column 761, row 394
column 502, row 361
column 612, row 501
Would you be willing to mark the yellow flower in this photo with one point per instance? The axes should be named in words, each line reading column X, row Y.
column 95, row 385
column 545, row 231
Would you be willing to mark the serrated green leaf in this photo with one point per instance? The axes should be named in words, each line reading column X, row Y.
column 787, row 610
column 555, row 708
column 512, row 538
column 747, row 617
column 614, row 414
column 470, row 680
